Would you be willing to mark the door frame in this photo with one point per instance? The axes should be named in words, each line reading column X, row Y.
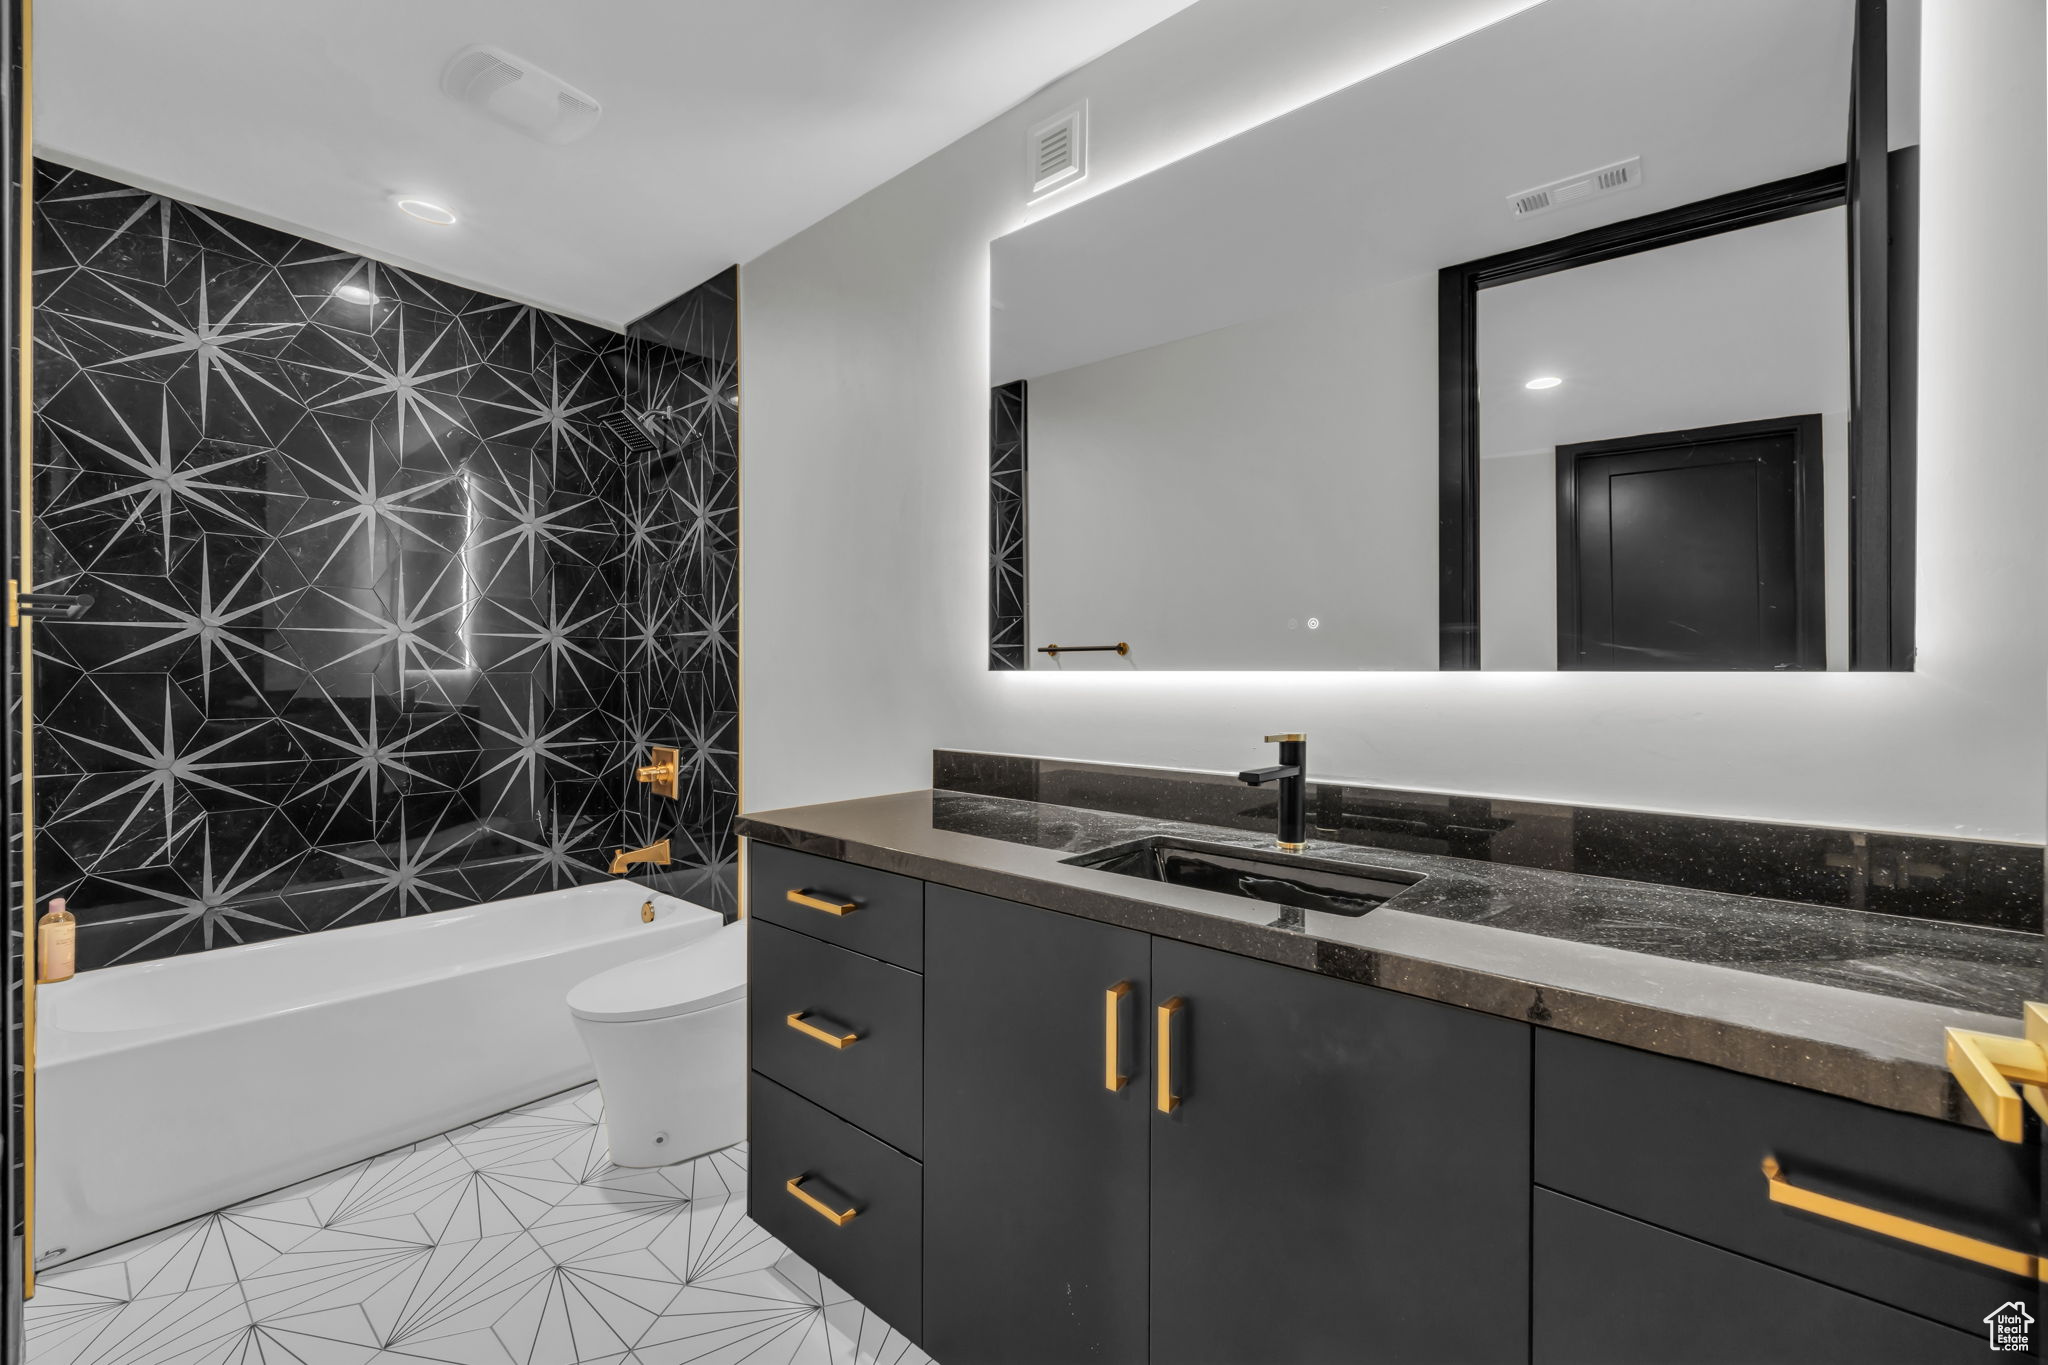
column 1880, row 191
column 1809, row 533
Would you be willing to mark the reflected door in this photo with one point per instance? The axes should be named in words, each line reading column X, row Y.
column 1697, row 550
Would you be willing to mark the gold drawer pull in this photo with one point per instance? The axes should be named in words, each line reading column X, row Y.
column 834, row 1037
column 1117, row 1000
column 831, row 905
column 1172, row 1015
column 819, row 1206
column 1903, row 1229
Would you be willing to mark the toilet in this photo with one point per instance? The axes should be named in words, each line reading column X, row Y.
column 669, row 1038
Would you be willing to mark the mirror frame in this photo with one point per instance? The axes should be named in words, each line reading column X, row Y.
column 1880, row 189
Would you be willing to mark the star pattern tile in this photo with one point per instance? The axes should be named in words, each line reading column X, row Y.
column 1007, row 470
column 513, row 1241
column 380, row 593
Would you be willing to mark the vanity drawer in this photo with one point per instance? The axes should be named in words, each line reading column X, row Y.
column 877, row 1254
column 1612, row 1291
column 1681, row 1145
column 877, row 913
column 875, row 1081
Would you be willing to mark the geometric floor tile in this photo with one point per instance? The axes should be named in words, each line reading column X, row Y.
column 513, row 1241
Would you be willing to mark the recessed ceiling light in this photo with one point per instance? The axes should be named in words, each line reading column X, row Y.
column 354, row 293
column 426, row 211
column 1548, row 381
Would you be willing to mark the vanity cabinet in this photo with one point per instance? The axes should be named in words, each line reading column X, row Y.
column 835, row 1104
column 1036, row 1194
column 1610, row 1290
column 1023, row 1136
column 1681, row 1146
column 1345, row 1175
column 1329, row 1172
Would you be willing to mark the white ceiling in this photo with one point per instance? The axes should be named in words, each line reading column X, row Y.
column 1410, row 170
column 728, row 125
column 1730, row 328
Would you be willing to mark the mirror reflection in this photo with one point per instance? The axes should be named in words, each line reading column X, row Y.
column 1535, row 352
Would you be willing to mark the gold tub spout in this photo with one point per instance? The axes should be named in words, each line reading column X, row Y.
column 653, row 853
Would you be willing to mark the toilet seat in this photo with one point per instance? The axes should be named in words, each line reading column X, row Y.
column 709, row 972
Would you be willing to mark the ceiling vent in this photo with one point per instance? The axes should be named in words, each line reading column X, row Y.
column 1056, row 150
column 1622, row 175
column 520, row 95
column 630, row 433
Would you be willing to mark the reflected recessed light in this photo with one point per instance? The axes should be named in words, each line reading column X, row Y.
column 426, row 211
column 354, row 293
column 1548, row 381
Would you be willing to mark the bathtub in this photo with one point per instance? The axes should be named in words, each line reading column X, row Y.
column 170, row 1089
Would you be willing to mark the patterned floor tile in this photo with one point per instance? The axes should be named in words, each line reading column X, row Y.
column 513, row 1241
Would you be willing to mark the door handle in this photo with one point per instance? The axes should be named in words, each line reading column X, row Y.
column 838, row 1218
column 811, row 900
column 836, row 1036
column 1172, row 1025
column 1884, row 1224
column 1117, row 1004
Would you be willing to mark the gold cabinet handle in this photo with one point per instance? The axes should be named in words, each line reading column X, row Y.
column 835, row 1217
column 1172, row 1016
column 834, row 1037
column 1902, row 1229
column 1986, row 1064
column 1116, row 1001
column 831, row 905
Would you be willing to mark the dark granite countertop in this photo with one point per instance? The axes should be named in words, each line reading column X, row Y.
column 1844, row 1001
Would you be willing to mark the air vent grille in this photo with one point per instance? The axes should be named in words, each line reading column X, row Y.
column 1058, row 150
column 519, row 94
column 631, row 433
column 1622, row 175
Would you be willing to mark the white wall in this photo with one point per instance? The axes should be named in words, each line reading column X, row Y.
column 865, row 352
column 1730, row 328
column 1205, row 499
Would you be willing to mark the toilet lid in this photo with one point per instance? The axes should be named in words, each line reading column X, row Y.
column 711, row 971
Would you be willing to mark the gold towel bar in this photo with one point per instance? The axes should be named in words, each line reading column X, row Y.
column 1120, row 647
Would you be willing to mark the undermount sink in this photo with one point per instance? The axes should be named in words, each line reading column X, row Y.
column 1283, row 879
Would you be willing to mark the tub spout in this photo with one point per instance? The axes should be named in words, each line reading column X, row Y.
column 653, row 853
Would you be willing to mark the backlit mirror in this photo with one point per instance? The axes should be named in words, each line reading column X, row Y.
column 1583, row 342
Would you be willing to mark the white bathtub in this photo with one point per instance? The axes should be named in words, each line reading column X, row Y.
column 169, row 1089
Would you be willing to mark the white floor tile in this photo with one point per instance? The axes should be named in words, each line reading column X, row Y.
column 513, row 1241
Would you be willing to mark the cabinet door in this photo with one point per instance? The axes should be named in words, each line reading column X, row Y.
column 1344, row 1177
column 1614, row 1291
column 1034, row 1170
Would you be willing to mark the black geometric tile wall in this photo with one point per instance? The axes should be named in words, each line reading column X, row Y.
column 1007, row 469
column 388, row 599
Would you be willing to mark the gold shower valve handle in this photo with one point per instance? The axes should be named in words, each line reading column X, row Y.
column 665, row 773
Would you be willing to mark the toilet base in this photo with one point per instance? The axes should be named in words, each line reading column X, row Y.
column 673, row 1089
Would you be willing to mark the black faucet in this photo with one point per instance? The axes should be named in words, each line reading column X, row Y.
column 1292, row 775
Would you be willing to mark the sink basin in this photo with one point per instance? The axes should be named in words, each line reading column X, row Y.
column 1283, row 879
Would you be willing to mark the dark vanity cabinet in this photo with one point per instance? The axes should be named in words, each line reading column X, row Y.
column 1024, row 1136
column 1035, row 1165
column 835, row 1037
column 1652, row 1192
column 1344, row 1174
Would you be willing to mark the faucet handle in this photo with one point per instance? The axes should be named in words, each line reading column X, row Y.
column 1286, row 739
